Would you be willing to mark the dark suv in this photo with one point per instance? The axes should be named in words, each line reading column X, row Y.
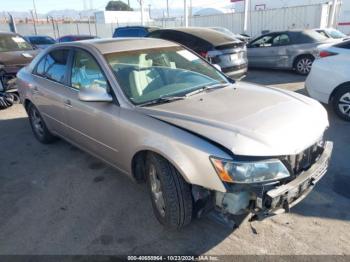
column 227, row 52
column 133, row 31
column 15, row 53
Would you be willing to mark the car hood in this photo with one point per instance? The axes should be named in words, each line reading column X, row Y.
column 22, row 57
column 247, row 119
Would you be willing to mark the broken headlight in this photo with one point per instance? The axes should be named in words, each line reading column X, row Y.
column 249, row 172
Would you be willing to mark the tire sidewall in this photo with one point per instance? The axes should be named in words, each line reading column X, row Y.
column 47, row 136
column 298, row 60
column 335, row 102
column 151, row 160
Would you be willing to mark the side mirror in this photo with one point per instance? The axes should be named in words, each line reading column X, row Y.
column 217, row 67
column 94, row 94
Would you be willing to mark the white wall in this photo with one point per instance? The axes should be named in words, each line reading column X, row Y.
column 272, row 20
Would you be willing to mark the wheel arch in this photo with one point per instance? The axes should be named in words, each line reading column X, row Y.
column 138, row 163
column 302, row 55
column 331, row 96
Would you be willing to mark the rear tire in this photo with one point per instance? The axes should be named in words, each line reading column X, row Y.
column 303, row 64
column 341, row 103
column 40, row 130
column 170, row 194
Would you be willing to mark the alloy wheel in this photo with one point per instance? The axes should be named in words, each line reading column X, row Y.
column 344, row 104
column 156, row 190
column 304, row 65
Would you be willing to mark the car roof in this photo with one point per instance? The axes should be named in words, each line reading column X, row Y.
column 77, row 36
column 121, row 44
column 2, row 33
column 137, row 26
column 37, row 36
column 210, row 35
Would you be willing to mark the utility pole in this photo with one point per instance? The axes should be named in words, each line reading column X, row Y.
column 149, row 10
column 142, row 14
column 185, row 14
column 245, row 24
column 333, row 11
column 129, row 3
column 53, row 25
column 167, row 8
column 34, row 6
column 34, row 23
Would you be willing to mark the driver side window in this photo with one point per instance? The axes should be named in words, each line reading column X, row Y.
column 86, row 72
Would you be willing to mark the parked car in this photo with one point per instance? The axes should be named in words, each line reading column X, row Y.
column 329, row 79
column 15, row 52
column 332, row 33
column 159, row 113
column 72, row 38
column 243, row 38
column 133, row 31
column 230, row 54
column 40, row 41
column 292, row 49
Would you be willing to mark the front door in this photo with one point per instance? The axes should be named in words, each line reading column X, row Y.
column 91, row 125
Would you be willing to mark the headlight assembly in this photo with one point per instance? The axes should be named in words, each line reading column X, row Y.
column 249, row 172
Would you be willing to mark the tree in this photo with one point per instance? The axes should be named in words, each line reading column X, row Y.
column 117, row 6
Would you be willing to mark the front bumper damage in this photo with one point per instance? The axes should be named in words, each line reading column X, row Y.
column 263, row 200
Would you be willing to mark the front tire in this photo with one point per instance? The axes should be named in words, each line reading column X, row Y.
column 40, row 130
column 170, row 194
column 341, row 103
column 303, row 64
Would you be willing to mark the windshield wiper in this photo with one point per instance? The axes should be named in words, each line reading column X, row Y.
column 163, row 99
column 205, row 88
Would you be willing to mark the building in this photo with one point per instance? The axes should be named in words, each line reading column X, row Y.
column 121, row 17
column 342, row 16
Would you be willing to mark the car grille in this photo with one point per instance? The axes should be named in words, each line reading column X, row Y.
column 304, row 160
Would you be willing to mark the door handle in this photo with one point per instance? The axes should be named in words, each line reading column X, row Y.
column 68, row 103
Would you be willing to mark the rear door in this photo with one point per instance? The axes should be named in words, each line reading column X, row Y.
column 48, row 88
column 94, row 126
column 279, row 51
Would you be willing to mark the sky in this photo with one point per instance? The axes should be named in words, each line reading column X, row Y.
column 44, row 6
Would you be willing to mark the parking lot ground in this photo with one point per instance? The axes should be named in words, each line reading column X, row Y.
column 56, row 199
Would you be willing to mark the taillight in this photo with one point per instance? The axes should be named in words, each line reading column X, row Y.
column 326, row 54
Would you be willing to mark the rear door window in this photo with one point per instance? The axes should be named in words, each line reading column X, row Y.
column 281, row 39
column 54, row 65
column 345, row 45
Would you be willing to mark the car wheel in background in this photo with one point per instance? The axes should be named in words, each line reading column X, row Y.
column 38, row 125
column 303, row 64
column 171, row 195
column 341, row 103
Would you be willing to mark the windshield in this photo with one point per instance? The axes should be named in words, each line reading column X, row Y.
column 335, row 33
column 44, row 40
column 13, row 43
column 151, row 74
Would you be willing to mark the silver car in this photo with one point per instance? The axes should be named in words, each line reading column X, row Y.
column 159, row 113
column 293, row 49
